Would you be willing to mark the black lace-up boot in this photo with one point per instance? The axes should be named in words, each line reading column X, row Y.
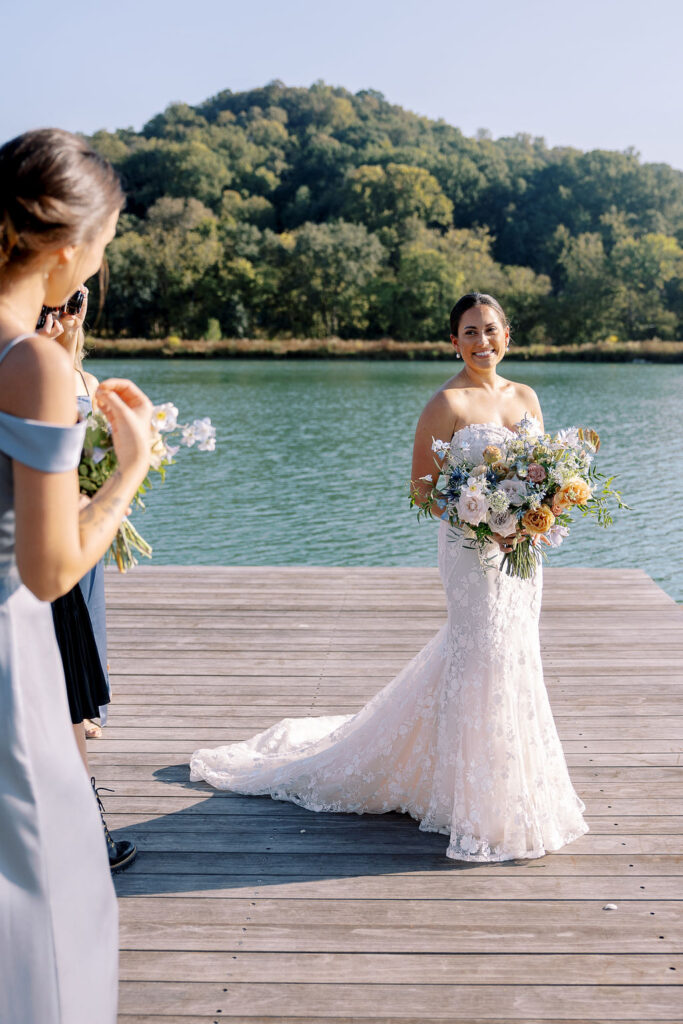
column 121, row 854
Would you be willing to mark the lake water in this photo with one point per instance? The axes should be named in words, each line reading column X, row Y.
column 313, row 461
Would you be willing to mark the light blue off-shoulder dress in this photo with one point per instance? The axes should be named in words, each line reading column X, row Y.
column 58, row 915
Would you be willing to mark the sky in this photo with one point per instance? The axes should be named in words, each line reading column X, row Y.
column 604, row 74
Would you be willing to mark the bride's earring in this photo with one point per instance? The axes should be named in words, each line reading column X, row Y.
column 457, row 354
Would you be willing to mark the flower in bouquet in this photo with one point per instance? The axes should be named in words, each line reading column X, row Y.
column 472, row 506
column 573, row 492
column 522, row 489
column 536, row 474
column 514, row 489
column 538, row 520
column 504, row 522
column 555, row 535
column 98, row 463
column 492, row 454
column 164, row 417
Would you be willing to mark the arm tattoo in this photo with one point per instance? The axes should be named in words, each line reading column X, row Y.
column 104, row 506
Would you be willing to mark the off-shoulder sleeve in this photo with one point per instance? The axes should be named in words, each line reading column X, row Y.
column 43, row 446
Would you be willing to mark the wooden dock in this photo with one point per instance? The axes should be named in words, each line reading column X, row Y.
column 245, row 909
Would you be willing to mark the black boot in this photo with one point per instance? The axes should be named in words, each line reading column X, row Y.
column 121, row 854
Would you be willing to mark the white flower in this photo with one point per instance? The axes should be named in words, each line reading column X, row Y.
column 499, row 501
column 189, row 436
column 98, row 454
column 164, row 417
column 472, row 507
column 568, row 438
column 555, row 535
column 503, row 523
column 516, row 490
column 207, row 446
column 528, row 426
column 172, row 449
column 440, row 447
column 203, row 429
column 561, row 473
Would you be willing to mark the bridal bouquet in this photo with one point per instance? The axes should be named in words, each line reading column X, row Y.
column 523, row 490
column 99, row 461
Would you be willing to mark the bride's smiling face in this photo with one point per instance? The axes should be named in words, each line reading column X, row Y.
column 482, row 338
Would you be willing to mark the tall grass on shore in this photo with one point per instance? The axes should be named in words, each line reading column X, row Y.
column 653, row 350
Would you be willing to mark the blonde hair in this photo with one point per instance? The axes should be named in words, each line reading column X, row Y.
column 80, row 352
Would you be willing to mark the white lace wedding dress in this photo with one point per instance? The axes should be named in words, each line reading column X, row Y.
column 463, row 739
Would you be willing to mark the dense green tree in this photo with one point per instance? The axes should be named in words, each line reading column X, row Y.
column 327, row 271
column 319, row 211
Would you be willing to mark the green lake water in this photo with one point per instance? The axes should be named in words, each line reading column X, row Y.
column 313, row 461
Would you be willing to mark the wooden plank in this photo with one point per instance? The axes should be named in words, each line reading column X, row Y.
column 182, row 883
column 347, row 864
column 161, row 774
column 431, row 968
column 632, row 925
column 442, row 1002
column 248, row 833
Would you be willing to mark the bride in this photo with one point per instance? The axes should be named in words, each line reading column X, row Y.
column 463, row 739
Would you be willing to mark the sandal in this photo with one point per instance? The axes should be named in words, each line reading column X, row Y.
column 93, row 731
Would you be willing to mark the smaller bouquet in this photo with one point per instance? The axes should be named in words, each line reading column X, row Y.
column 98, row 462
column 522, row 489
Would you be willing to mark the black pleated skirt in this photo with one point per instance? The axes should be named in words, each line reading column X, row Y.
column 86, row 685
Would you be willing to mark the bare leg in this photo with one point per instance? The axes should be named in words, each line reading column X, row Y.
column 79, row 733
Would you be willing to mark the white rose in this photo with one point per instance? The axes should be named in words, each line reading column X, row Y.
column 472, row 507
column 503, row 523
column 516, row 490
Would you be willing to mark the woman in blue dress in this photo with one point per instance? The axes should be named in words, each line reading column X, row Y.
column 59, row 204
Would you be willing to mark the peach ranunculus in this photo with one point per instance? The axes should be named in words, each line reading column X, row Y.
column 536, row 473
column 501, row 469
column 573, row 492
column 538, row 520
column 492, row 453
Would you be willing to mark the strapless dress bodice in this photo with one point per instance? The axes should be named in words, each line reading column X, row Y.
column 471, row 440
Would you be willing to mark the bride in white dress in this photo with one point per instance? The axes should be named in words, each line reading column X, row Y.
column 463, row 739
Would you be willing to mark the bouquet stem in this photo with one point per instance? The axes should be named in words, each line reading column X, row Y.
column 125, row 545
column 522, row 561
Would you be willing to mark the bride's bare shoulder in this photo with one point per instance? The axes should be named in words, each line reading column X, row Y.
column 526, row 398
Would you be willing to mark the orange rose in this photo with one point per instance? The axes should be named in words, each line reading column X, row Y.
column 574, row 492
column 558, row 504
column 538, row 520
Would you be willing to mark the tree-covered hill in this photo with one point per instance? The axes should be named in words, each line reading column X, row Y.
column 317, row 212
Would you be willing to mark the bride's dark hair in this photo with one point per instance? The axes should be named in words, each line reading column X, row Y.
column 54, row 191
column 471, row 300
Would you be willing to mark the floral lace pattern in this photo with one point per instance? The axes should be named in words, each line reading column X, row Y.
column 463, row 739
